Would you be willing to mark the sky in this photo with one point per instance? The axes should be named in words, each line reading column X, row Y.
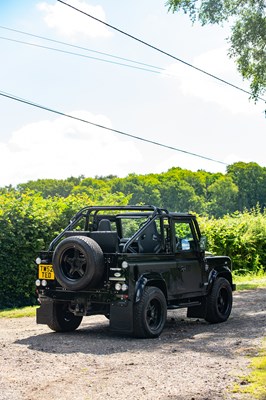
column 117, row 82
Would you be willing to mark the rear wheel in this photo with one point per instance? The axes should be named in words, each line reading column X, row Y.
column 219, row 301
column 62, row 320
column 150, row 313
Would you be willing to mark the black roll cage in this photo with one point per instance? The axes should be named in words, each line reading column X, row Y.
column 92, row 215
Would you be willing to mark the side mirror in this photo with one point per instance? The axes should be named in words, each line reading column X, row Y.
column 202, row 243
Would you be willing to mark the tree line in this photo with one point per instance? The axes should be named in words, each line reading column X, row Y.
column 231, row 209
column 242, row 187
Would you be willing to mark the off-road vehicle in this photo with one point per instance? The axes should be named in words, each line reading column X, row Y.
column 131, row 264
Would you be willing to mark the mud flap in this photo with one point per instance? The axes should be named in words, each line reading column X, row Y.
column 44, row 312
column 197, row 311
column 121, row 317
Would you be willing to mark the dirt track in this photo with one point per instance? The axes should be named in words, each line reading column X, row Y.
column 191, row 359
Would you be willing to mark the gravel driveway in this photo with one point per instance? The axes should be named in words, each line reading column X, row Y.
column 191, row 360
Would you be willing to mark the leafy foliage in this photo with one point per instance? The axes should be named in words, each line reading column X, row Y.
column 51, row 187
column 213, row 194
column 248, row 32
column 28, row 222
column 250, row 180
column 241, row 236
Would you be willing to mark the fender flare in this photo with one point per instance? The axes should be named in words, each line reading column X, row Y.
column 149, row 280
column 214, row 274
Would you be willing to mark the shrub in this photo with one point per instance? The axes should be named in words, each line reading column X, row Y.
column 241, row 236
column 28, row 222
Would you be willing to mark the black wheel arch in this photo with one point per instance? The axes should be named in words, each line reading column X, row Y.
column 226, row 273
column 146, row 280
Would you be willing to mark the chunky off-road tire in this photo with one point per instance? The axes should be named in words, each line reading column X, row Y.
column 219, row 301
column 62, row 320
column 150, row 313
column 78, row 263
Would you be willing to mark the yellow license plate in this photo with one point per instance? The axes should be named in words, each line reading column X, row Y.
column 46, row 272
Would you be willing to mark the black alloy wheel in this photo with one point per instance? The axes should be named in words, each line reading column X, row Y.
column 150, row 313
column 219, row 301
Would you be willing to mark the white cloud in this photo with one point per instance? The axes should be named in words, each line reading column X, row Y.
column 71, row 23
column 191, row 163
column 196, row 84
column 63, row 148
column 233, row 158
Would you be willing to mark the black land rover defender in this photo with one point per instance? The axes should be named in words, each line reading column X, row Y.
column 131, row 264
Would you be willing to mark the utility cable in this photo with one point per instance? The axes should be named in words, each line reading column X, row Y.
column 162, row 51
column 158, row 71
column 30, row 103
column 155, row 70
column 77, row 47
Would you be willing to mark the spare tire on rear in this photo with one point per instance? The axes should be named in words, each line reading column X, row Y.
column 78, row 263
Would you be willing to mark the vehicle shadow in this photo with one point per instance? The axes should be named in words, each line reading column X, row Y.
column 245, row 326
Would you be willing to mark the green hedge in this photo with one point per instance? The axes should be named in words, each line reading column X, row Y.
column 28, row 223
column 241, row 236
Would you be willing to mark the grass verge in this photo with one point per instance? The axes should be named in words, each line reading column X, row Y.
column 249, row 282
column 18, row 312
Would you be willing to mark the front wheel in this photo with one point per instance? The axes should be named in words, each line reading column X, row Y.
column 62, row 320
column 219, row 301
column 150, row 313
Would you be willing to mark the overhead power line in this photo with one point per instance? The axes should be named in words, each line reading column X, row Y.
column 138, row 65
column 73, row 46
column 156, row 70
column 150, row 68
column 161, row 51
column 33, row 104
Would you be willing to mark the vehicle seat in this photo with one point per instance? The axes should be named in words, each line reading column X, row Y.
column 106, row 238
column 104, row 225
column 150, row 240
